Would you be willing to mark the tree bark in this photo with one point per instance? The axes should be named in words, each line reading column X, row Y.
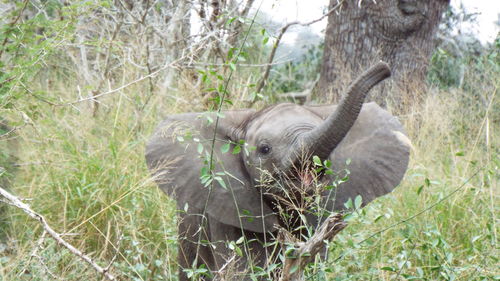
column 178, row 32
column 399, row 32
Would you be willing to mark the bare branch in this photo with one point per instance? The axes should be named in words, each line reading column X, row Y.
column 10, row 131
column 34, row 254
column 13, row 200
column 306, row 251
column 105, row 75
column 283, row 30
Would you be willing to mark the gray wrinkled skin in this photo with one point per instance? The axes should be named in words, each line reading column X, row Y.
column 374, row 141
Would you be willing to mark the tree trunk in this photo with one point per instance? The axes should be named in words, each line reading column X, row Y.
column 177, row 32
column 399, row 32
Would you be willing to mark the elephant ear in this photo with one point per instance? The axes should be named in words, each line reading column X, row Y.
column 177, row 155
column 378, row 149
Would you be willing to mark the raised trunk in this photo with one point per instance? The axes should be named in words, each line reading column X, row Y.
column 323, row 140
column 399, row 32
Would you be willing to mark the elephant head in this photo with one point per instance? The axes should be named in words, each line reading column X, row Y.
column 276, row 141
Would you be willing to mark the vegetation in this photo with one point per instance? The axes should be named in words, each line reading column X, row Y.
column 86, row 173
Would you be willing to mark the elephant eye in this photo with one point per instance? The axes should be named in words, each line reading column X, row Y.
column 264, row 149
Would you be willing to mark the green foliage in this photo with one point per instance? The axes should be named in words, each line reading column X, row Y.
column 460, row 52
column 28, row 45
column 298, row 74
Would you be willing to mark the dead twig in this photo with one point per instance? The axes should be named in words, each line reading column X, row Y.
column 283, row 30
column 13, row 200
column 10, row 131
column 34, row 254
column 305, row 252
column 107, row 65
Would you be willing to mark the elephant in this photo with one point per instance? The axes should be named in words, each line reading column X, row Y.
column 232, row 173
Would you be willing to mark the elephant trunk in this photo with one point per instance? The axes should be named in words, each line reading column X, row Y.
column 322, row 140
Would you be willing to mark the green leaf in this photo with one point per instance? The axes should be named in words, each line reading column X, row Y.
column 427, row 182
column 208, row 181
column 357, row 202
column 248, row 215
column 330, row 187
column 241, row 240
column 348, row 204
column 344, row 179
column 221, row 182
column 317, row 161
column 232, row 66
column 200, row 148
column 388, row 268
column 237, row 149
column 460, row 153
column 238, row 251
column 419, row 190
column 204, row 171
column 231, row 20
column 225, row 147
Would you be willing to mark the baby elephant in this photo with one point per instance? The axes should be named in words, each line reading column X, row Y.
column 240, row 178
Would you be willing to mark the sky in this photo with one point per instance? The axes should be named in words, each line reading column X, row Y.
column 307, row 10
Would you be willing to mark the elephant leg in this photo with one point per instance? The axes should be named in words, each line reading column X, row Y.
column 235, row 267
column 190, row 255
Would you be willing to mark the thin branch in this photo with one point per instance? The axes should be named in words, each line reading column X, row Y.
column 34, row 254
column 13, row 200
column 107, row 64
column 283, row 30
column 305, row 252
column 143, row 22
column 151, row 86
column 193, row 65
column 10, row 131
column 115, row 256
